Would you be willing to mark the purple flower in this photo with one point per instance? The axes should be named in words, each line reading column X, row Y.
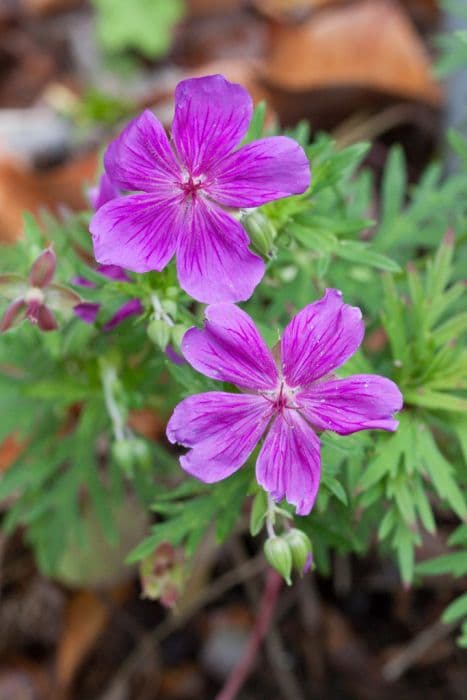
column 183, row 193
column 37, row 297
column 289, row 401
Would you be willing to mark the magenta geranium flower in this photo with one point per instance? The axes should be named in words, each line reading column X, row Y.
column 183, row 193
column 288, row 400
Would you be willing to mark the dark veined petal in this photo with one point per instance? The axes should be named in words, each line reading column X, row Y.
column 138, row 232
column 141, row 158
column 289, row 464
column 231, row 349
column 221, row 429
column 103, row 193
column 320, row 338
column 213, row 260
column 260, row 172
column 360, row 402
column 211, row 118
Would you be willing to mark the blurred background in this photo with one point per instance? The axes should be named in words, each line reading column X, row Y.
column 71, row 72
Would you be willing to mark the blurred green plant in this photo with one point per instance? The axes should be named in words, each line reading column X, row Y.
column 144, row 26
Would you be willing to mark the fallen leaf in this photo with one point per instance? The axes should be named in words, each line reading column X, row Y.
column 86, row 617
column 368, row 44
column 24, row 189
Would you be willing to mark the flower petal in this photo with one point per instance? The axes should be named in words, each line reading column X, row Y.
column 103, row 193
column 222, row 429
column 361, row 402
column 211, row 118
column 231, row 349
column 46, row 319
column 15, row 313
column 260, row 172
column 213, row 260
column 138, row 232
column 43, row 269
column 133, row 307
column 320, row 338
column 141, row 157
column 113, row 272
column 289, row 464
column 13, row 286
column 87, row 311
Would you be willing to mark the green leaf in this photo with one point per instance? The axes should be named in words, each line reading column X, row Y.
column 435, row 400
column 456, row 610
column 454, row 563
column 255, row 130
column 143, row 25
column 362, row 253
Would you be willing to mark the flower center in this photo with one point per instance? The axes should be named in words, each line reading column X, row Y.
column 191, row 185
column 34, row 295
column 282, row 398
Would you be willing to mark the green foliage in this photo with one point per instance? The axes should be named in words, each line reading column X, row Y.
column 142, row 25
column 71, row 395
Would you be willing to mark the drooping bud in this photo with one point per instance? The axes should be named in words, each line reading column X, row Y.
column 43, row 269
column 278, row 554
column 261, row 231
column 162, row 574
column 159, row 332
column 300, row 547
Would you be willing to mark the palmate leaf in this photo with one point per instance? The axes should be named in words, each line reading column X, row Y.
column 186, row 521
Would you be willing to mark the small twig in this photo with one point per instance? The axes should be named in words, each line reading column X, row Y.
column 415, row 649
column 267, row 606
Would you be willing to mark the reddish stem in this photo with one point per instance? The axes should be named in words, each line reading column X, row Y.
column 267, row 606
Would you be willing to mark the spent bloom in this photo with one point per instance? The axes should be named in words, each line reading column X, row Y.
column 181, row 194
column 36, row 297
column 287, row 400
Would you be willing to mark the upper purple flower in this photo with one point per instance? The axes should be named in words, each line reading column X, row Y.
column 186, row 190
column 290, row 399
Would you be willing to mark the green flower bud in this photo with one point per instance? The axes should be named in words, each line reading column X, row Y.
column 279, row 555
column 170, row 307
column 130, row 453
column 261, row 232
column 300, row 547
column 159, row 332
column 123, row 453
column 177, row 333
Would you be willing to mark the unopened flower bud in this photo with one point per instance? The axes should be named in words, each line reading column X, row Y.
column 261, row 232
column 300, row 547
column 170, row 307
column 159, row 332
column 130, row 453
column 278, row 554
column 177, row 333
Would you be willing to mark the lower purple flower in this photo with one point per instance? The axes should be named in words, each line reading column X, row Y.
column 288, row 401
